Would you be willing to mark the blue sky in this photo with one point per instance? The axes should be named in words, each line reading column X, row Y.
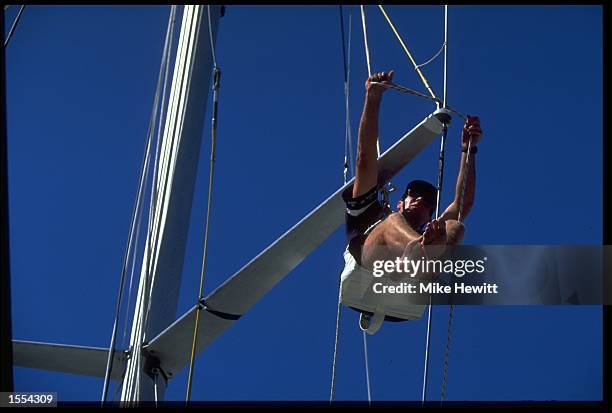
column 80, row 86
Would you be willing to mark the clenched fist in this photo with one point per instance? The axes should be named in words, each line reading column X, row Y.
column 471, row 130
column 374, row 90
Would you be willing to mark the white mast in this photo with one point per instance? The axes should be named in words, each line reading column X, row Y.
column 162, row 264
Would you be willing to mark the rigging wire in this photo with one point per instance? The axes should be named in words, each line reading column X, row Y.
column 367, row 367
column 348, row 89
column 188, row 18
column 210, row 36
column 136, row 214
column 155, row 187
column 155, row 374
column 129, row 297
column 447, row 350
column 348, row 139
column 432, row 59
column 216, row 79
column 14, row 25
column 348, row 148
column 450, row 304
column 438, row 198
column 445, row 49
column 154, row 213
column 430, row 308
column 367, row 52
column 336, row 341
column 163, row 179
column 153, row 236
column 409, row 91
column 137, row 211
column 425, row 82
column 154, row 201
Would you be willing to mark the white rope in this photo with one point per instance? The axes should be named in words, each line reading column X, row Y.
column 367, row 368
column 409, row 91
column 155, row 374
column 430, row 308
column 348, row 89
column 445, row 48
column 336, row 340
column 367, row 52
column 428, row 336
column 432, row 59
column 438, row 197
column 348, row 147
column 212, row 43
column 446, row 352
column 14, row 25
column 404, row 89
column 450, row 306
column 349, row 135
column 132, row 270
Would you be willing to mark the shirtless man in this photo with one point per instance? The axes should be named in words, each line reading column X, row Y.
column 373, row 231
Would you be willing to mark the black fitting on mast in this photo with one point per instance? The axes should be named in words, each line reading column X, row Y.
column 152, row 366
column 216, row 78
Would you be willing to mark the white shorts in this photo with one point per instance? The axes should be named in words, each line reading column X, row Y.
column 357, row 291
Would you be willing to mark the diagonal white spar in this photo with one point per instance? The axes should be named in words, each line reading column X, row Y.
column 249, row 284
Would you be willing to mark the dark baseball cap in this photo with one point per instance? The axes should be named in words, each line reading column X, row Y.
column 424, row 189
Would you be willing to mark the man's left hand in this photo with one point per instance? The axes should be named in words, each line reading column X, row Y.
column 471, row 130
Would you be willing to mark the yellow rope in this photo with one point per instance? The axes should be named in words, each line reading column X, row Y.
column 216, row 79
column 204, row 255
column 407, row 51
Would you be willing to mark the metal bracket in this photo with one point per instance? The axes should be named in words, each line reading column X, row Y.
column 443, row 115
column 152, row 366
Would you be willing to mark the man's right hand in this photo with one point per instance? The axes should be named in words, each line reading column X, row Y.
column 374, row 90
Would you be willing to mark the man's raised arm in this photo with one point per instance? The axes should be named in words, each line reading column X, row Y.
column 366, row 175
column 471, row 130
